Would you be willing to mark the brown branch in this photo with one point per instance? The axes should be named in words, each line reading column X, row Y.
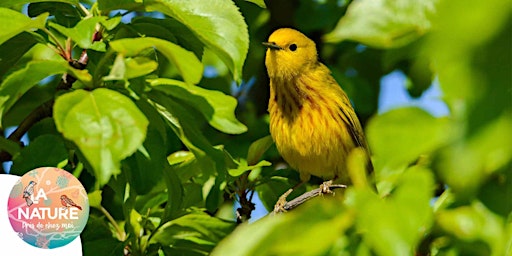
column 307, row 196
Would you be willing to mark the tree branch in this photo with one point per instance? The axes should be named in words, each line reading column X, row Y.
column 307, row 196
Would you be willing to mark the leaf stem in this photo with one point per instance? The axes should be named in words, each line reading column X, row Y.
column 121, row 235
column 62, row 51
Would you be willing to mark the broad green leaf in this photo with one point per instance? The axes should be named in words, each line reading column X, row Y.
column 215, row 106
column 20, row 81
column 144, row 169
column 186, row 62
column 475, row 223
column 12, row 3
column 218, row 24
column 130, row 5
column 184, row 125
column 83, row 32
column 384, row 23
column 243, row 167
column 14, row 49
column 311, row 229
column 258, row 148
column 197, row 227
column 128, row 68
column 399, row 136
column 180, row 33
column 104, row 124
column 63, row 13
column 45, row 150
column 382, row 220
column 13, row 23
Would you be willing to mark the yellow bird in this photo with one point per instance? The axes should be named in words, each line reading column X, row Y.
column 312, row 120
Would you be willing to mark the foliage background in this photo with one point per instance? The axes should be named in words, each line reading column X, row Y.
column 166, row 122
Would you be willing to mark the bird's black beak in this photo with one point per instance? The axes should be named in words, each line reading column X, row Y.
column 272, row 46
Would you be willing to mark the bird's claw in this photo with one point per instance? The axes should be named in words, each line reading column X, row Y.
column 279, row 206
column 325, row 188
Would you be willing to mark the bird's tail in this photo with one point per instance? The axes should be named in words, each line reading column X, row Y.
column 78, row 206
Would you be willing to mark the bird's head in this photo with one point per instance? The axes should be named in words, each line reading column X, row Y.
column 288, row 53
column 63, row 197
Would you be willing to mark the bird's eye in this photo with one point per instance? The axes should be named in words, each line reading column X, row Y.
column 292, row 47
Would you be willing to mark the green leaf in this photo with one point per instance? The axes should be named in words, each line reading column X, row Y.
column 218, row 24
column 97, row 239
column 382, row 220
column 243, row 167
column 83, row 32
column 13, row 23
column 215, row 106
column 63, row 13
column 45, row 150
column 186, row 62
column 475, row 223
column 9, row 146
column 384, row 23
column 259, row 3
column 144, row 169
column 198, row 228
column 20, row 81
column 104, row 124
column 311, row 229
column 129, row 5
column 180, row 33
column 95, row 199
column 13, row 3
column 14, row 49
column 128, row 68
column 399, row 136
column 258, row 148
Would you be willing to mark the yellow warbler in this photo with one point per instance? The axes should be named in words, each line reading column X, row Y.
column 312, row 120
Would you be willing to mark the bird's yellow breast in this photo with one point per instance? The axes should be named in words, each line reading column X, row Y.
column 307, row 125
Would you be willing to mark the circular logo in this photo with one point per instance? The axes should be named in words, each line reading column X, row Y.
column 48, row 207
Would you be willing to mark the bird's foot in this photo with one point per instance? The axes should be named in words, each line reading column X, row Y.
column 281, row 202
column 325, row 188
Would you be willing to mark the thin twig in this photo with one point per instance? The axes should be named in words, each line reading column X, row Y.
column 307, row 196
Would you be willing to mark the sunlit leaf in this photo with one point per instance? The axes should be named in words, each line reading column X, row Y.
column 83, row 32
column 382, row 219
column 400, row 136
column 12, row 3
column 310, row 230
column 186, row 62
column 109, row 5
column 128, row 68
column 218, row 24
column 13, row 23
column 384, row 23
column 95, row 199
column 104, row 124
